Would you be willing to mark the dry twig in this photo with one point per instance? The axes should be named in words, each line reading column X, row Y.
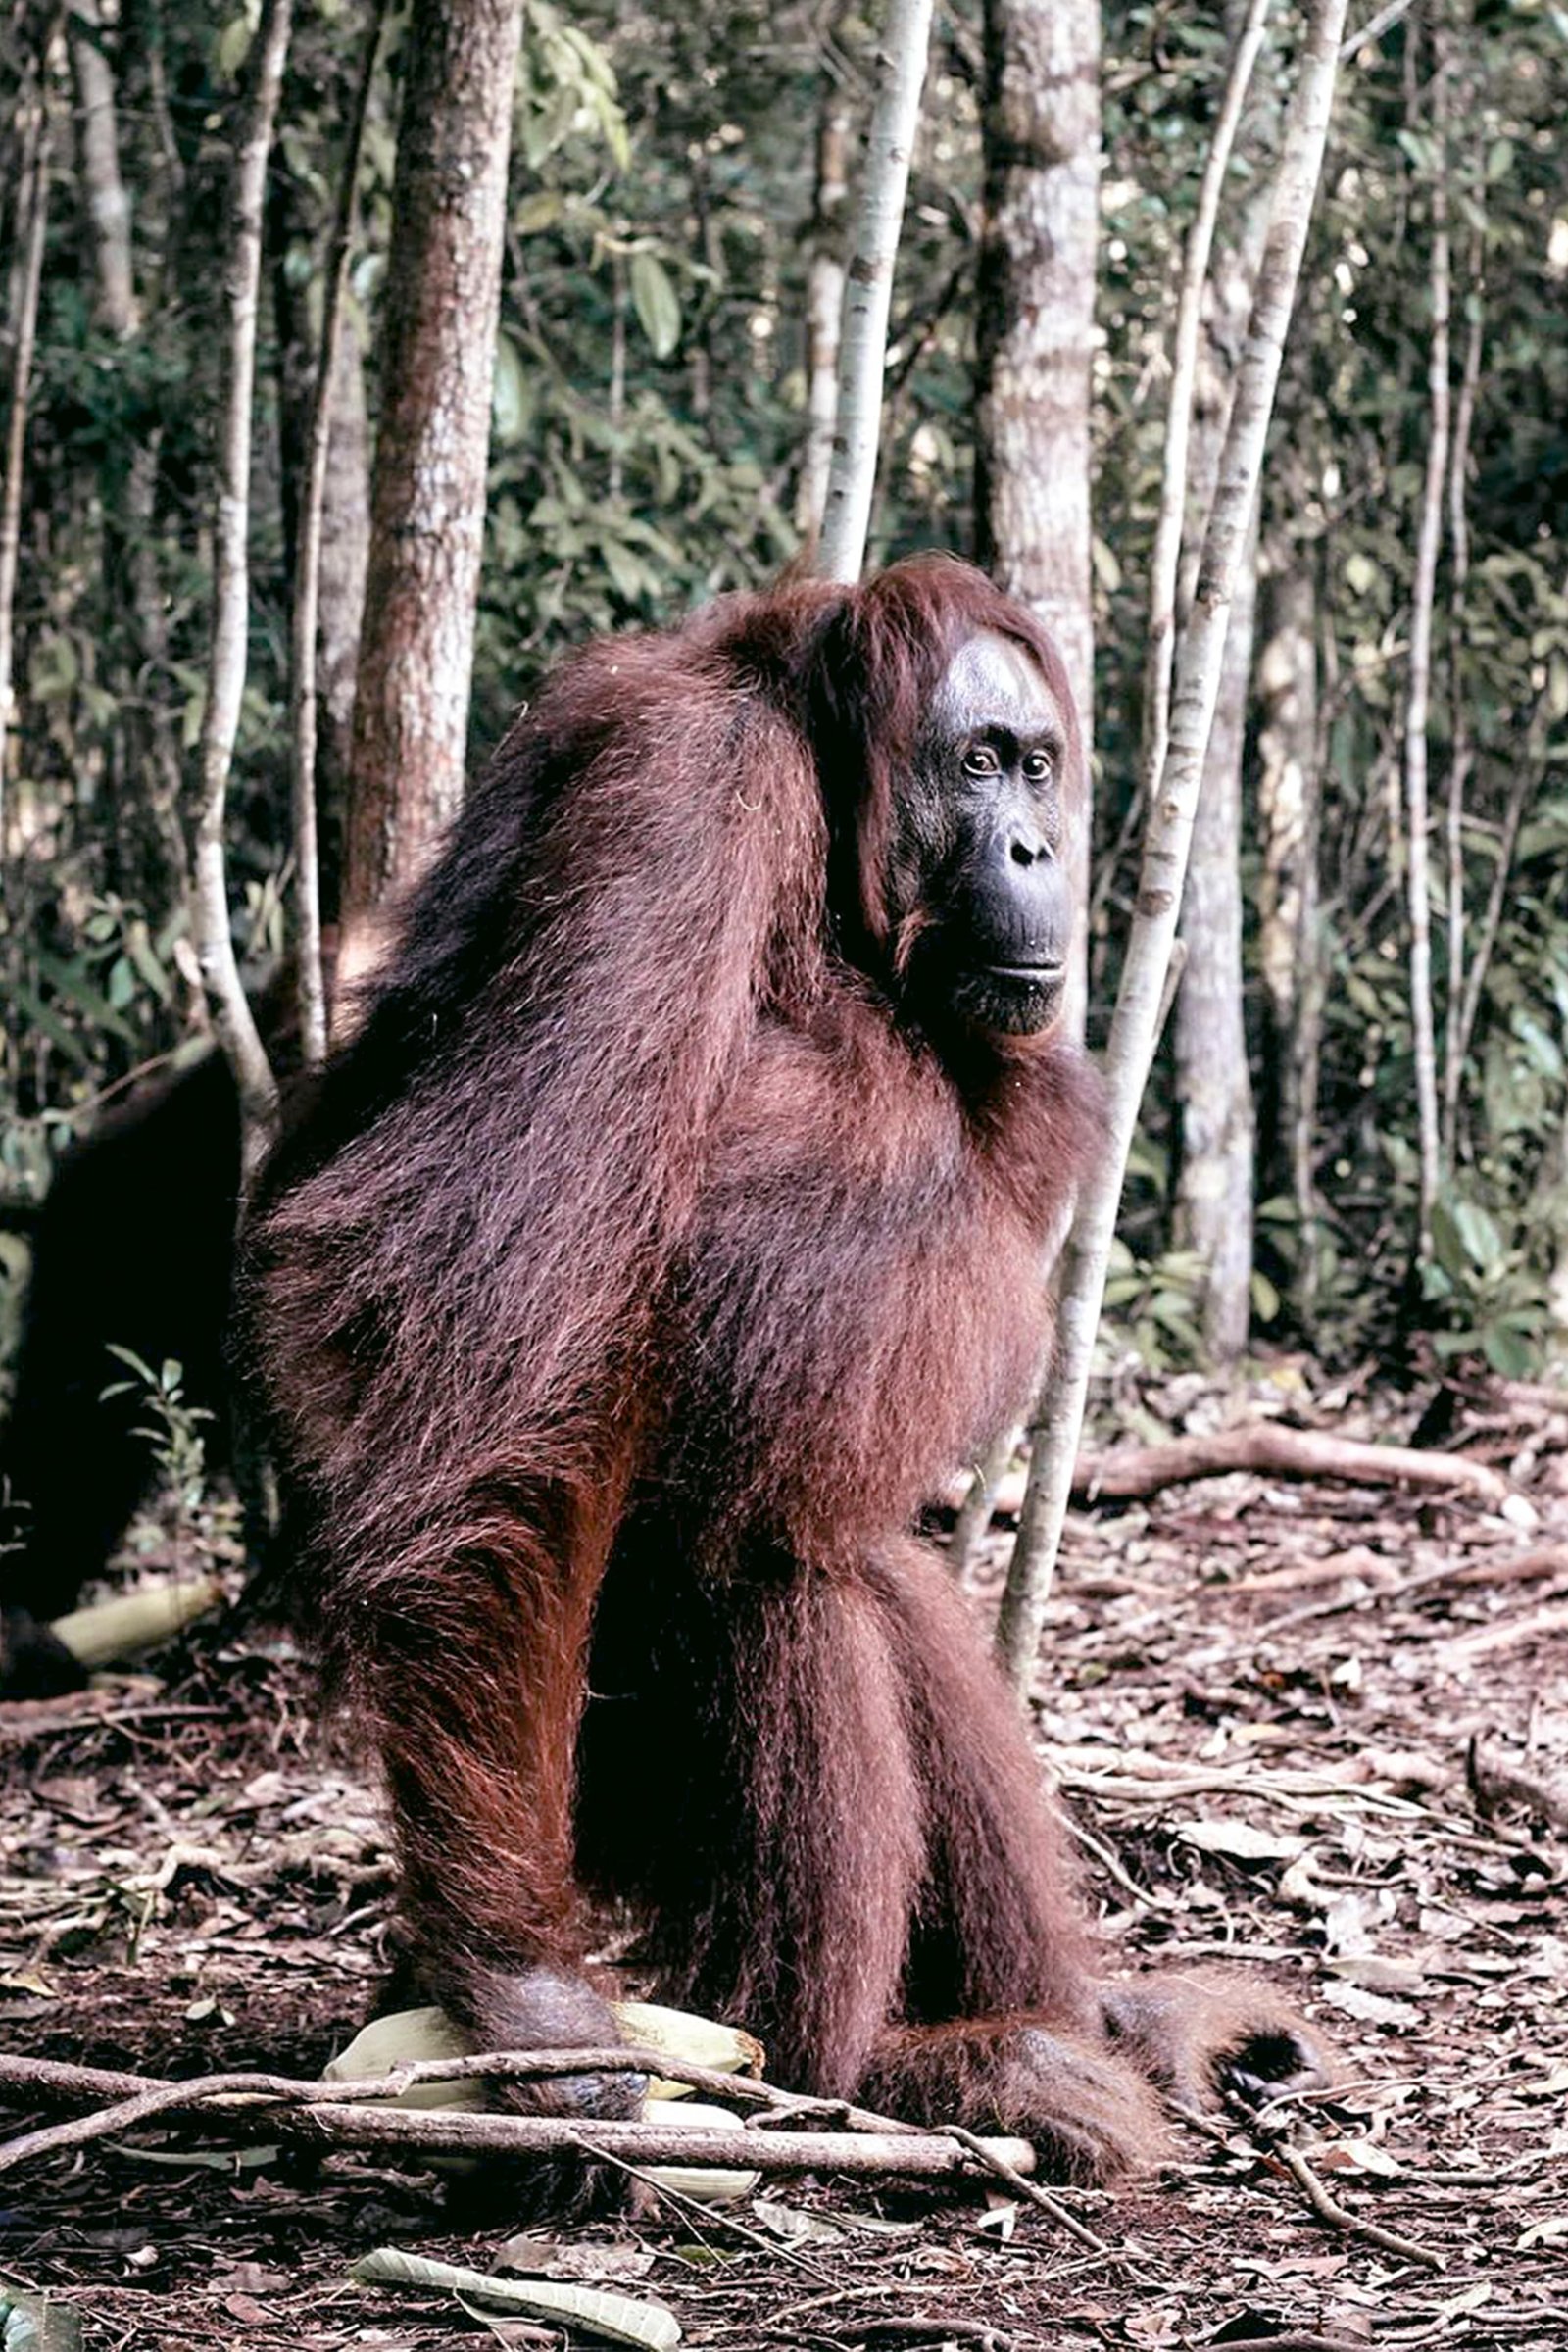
column 356, row 2114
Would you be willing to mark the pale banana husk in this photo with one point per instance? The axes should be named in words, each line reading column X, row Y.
column 112, row 1630
column 411, row 2034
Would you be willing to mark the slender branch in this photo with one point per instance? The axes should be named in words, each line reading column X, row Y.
column 1418, row 702
column 1164, row 564
column 1340, row 2217
column 354, row 2115
column 1526, row 778
column 975, row 1511
column 863, row 350
column 1059, row 1415
column 233, row 1017
column 307, row 574
column 1461, row 752
column 32, row 216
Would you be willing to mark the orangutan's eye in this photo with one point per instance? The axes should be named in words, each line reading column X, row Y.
column 1037, row 767
column 980, row 759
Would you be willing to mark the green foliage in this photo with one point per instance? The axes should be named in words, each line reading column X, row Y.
column 649, row 422
column 173, row 1429
column 1155, row 1307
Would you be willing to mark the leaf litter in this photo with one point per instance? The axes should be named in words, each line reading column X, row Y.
column 1311, row 1728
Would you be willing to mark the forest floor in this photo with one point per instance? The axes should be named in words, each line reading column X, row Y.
column 1322, row 1729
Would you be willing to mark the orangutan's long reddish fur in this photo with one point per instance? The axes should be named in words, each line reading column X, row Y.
column 636, row 1275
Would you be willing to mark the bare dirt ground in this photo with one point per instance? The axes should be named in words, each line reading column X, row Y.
column 1317, row 1730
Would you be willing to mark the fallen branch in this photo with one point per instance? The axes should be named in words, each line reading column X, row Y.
column 1132, row 1473
column 1127, row 1474
column 1340, row 2217
column 356, row 2114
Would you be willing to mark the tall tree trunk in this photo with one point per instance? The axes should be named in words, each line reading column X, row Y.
column 304, row 701
column 442, row 297
column 1214, row 1091
column 233, row 1017
column 1215, row 1189
column 1461, row 748
column 1557, row 1287
column 30, row 217
column 900, row 62
column 293, row 223
column 1418, row 705
column 1288, row 799
column 1039, row 125
column 824, row 304
column 108, row 204
column 345, row 561
column 1058, row 1417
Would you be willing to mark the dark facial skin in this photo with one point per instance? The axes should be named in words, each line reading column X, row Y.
column 980, row 843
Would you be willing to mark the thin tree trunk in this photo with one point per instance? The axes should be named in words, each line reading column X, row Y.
column 1216, row 1123
column 1060, row 1418
column 345, row 559
column 1185, row 391
column 1461, row 752
column 303, row 718
column 824, row 306
column 1558, row 1284
column 32, row 217
column 616, row 406
column 1287, row 820
column 232, row 1019
column 155, row 736
column 443, row 296
column 1034, row 308
column 1522, row 791
column 973, row 1515
column 1186, row 344
column 1214, row 1088
column 1417, row 707
column 862, row 351
column 108, row 204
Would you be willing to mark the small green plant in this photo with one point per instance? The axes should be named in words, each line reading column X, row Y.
column 172, row 1428
column 1152, row 1305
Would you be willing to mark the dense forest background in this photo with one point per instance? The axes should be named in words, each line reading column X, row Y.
column 1356, row 1134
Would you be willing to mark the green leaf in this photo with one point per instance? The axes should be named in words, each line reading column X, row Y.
column 39, row 2324
column 1447, row 1245
column 1506, row 1352
column 538, row 212
column 512, row 398
column 234, row 47
column 68, row 980
column 629, row 575
column 655, row 300
column 1483, row 1242
column 33, row 1010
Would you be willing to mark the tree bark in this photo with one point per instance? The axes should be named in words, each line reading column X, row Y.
column 862, row 351
column 107, row 201
column 428, row 516
column 344, row 562
column 1418, row 704
column 824, row 306
column 31, row 219
column 1217, row 1128
column 232, row 1018
column 1288, row 821
column 1214, row 1091
column 307, row 574
column 1461, row 748
column 1039, row 127
column 1059, row 1416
